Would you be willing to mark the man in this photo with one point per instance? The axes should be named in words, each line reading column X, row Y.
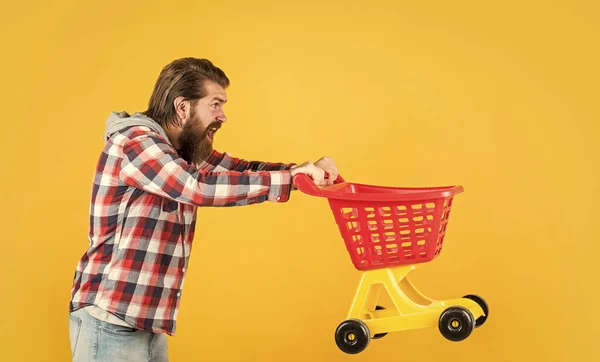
column 156, row 168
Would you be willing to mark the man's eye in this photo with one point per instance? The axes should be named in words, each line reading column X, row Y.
column 214, row 105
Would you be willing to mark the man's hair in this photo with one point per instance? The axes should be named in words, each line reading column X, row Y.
column 183, row 77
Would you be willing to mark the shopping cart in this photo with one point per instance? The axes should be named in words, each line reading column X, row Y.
column 389, row 232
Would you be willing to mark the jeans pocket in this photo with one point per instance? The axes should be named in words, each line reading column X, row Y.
column 74, row 332
column 116, row 329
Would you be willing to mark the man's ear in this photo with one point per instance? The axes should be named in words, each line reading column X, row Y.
column 182, row 109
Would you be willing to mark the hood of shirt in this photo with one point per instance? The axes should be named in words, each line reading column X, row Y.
column 118, row 121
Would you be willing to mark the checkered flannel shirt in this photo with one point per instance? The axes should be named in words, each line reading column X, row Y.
column 142, row 219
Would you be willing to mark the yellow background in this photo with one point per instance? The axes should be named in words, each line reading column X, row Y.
column 500, row 98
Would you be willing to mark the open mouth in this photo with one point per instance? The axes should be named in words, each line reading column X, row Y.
column 211, row 133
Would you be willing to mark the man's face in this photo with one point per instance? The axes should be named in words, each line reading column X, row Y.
column 205, row 118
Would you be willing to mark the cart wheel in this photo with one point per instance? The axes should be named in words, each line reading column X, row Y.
column 486, row 310
column 456, row 323
column 379, row 335
column 352, row 336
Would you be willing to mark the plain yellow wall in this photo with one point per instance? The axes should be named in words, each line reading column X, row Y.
column 500, row 98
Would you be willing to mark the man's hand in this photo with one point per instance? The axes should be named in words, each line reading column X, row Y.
column 327, row 165
column 308, row 168
column 317, row 171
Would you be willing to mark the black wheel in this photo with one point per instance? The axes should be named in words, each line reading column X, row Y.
column 456, row 323
column 486, row 310
column 379, row 335
column 352, row 336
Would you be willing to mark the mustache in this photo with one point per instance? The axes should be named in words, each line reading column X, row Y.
column 195, row 128
column 216, row 125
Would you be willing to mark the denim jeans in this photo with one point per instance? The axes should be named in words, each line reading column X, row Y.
column 96, row 340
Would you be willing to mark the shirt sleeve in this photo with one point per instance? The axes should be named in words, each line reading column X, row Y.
column 154, row 166
column 226, row 161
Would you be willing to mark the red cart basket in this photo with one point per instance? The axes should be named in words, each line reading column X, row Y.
column 384, row 227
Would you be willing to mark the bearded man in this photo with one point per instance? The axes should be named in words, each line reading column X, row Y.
column 155, row 169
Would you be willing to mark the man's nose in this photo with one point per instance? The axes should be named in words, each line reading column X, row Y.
column 222, row 118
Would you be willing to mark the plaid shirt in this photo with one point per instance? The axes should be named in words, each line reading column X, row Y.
column 142, row 219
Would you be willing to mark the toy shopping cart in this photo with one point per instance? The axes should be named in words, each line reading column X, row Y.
column 388, row 232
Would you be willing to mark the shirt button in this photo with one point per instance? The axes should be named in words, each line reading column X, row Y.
column 182, row 269
column 278, row 198
column 178, row 294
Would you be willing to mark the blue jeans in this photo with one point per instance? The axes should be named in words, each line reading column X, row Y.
column 96, row 340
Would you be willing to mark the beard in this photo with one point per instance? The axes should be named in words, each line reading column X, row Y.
column 195, row 145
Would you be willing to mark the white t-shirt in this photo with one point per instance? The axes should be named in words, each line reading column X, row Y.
column 104, row 316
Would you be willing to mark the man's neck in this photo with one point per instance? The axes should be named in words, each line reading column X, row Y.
column 173, row 134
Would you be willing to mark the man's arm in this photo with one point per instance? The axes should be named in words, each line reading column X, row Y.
column 226, row 161
column 152, row 165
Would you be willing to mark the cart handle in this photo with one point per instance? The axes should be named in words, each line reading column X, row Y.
column 344, row 190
